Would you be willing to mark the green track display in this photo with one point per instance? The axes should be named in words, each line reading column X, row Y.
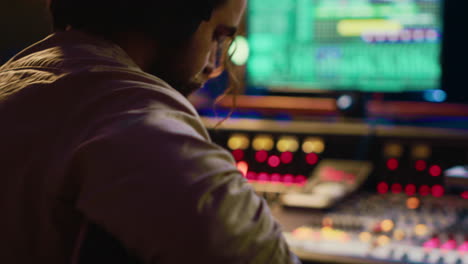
column 364, row 45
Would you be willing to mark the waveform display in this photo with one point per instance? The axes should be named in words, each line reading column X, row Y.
column 367, row 45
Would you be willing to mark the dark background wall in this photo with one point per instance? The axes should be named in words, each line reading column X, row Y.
column 22, row 22
column 455, row 53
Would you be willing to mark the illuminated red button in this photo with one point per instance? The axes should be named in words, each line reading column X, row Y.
column 424, row 190
column 382, row 187
column 238, row 154
column 463, row 248
column 449, row 245
column 300, row 180
column 288, row 179
column 286, row 157
column 263, row 177
column 312, row 158
column 274, row 161
column 275, row 177
column 410, row 189
column 464, row 195
column 438, row 191
column 432, row 243
column 435, row 171
column 261, row 156
column 392, row 164
column 251, row 176
column 420, row 165
column 397, row 188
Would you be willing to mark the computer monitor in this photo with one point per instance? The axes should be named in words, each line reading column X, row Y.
column 389, row 46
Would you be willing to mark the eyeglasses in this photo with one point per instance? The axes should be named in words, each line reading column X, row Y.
column 221, row 54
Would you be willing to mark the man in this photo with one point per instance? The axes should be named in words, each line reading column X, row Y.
column 104, row 160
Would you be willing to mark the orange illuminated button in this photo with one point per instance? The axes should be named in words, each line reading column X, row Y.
column 399, row 235
column 387, row 225
column 393, row 150
column 327, row 222
column 243, row 167
column 421, row 230
column 303, row 232
column 421, row 152
column 383, row 240
column 365, row 237
column 412, row 203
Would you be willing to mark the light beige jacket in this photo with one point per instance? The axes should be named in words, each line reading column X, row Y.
column 89, row 141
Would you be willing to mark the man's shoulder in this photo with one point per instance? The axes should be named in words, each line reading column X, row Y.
column 92, row 78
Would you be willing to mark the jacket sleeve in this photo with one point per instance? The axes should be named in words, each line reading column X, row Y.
column 169, row 195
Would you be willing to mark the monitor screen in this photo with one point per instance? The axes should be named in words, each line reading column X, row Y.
column 359, row 45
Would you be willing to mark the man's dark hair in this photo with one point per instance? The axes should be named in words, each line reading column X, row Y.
column 176, row 19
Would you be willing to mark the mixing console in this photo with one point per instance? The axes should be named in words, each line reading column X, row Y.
column 398, row 208
column 398, row 228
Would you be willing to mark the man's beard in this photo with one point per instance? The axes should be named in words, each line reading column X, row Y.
column 183, row 85
column 188, row 87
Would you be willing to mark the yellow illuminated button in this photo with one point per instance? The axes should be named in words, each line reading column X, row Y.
column 387, row 225
column 238, row 141
column 365, row 237
column 263, row 142
column 287, row 143
column 421, row 152
column 421, row 230
column 313, row 145
column 328, row 233
column 393, row 150
column 413, row 203
column 383, row 240
column 399, row 234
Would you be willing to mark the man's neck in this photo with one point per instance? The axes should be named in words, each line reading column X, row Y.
column 140, row 48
